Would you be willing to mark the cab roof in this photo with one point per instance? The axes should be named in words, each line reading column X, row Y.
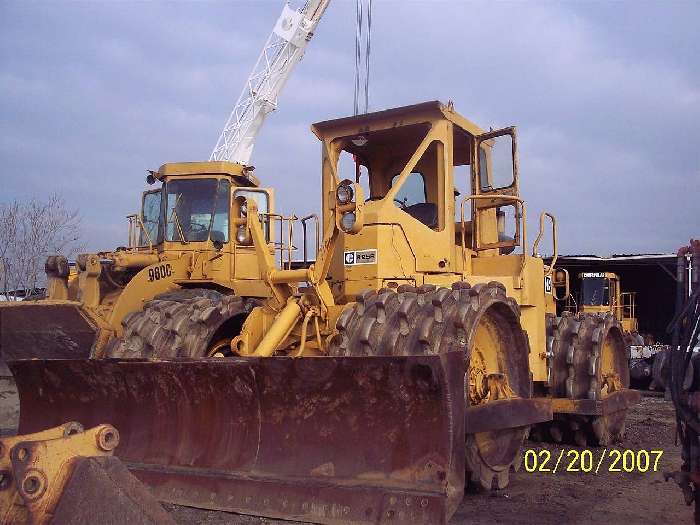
column 240, row 173
column 392, row 118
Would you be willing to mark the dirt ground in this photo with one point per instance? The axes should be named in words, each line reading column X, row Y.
column 538, row 497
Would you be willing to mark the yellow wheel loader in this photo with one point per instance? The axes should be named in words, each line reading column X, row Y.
column 187, row 279
column 370, row 387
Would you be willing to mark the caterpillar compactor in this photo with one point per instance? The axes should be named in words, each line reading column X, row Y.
column 601, row 292
column 410, row 359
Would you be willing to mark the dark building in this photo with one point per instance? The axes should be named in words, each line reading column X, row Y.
column 651, row 276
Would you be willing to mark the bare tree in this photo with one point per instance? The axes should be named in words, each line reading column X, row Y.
column 29, row 232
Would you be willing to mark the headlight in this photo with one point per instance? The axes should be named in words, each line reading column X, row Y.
column 241, row 234
column 347, row 221
column 244, row 208
column 344, row 194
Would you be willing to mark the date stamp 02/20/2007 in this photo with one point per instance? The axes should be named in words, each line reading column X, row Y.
column 591, row 461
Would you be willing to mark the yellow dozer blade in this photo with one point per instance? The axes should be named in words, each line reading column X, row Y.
column 318, row 439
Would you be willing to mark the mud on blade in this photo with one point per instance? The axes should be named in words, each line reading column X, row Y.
column 327, row 440
column 45, row 330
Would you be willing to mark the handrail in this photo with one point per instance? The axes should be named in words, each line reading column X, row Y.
column 285, row 245
column 536, row 244
column 316, row 225
column 135, row 218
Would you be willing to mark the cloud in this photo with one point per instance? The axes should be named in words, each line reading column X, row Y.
column 605, row 97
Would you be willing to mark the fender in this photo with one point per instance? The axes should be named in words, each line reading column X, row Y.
column 153, row 280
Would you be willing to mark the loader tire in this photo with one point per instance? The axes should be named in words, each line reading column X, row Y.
column 480, row 321
column 588, row 361
column 183, row 323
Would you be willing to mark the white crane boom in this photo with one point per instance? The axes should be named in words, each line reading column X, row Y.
column 283, row 50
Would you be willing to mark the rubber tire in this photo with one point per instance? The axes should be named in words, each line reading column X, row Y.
column 181, row 323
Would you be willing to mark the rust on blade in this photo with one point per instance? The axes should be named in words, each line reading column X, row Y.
column 507, row 413
column 45, row 330
column 326, row 440
column 610, row 404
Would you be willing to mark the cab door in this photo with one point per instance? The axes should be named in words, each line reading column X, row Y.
column 497, row 210
column 245, row 262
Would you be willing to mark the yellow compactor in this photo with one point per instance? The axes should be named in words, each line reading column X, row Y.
column 601, row 292
column 421, row 346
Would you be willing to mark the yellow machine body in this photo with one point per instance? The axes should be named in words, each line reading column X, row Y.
column 173, row 244
column 433, row 141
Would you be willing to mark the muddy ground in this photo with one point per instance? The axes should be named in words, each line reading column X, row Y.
column 538, row 497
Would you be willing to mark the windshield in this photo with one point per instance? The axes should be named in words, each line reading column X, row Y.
column 197, row 210
column 595, row 291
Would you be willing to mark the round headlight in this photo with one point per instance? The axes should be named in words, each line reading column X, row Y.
column 244, row 208
column 347, row 221
column 344, row 194
column 241, row 234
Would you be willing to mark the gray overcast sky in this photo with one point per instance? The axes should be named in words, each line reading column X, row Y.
column 606, row 97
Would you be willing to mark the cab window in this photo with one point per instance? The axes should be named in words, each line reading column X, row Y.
column 150, row 215
column 197, row 210
column 262, row 200
column 596, row 291
column 412, row 192
column 412, row 198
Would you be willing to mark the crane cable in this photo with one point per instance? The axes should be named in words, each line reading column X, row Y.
column 363, row 42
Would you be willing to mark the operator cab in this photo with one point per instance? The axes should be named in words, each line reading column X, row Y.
column 377, row 159
column 600, row 289
column 435, row 186
column 195, row 203
column 421, row 160
column 596, row 288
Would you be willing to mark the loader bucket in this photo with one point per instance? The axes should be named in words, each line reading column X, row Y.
column 318, row 439
column 45, row 330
